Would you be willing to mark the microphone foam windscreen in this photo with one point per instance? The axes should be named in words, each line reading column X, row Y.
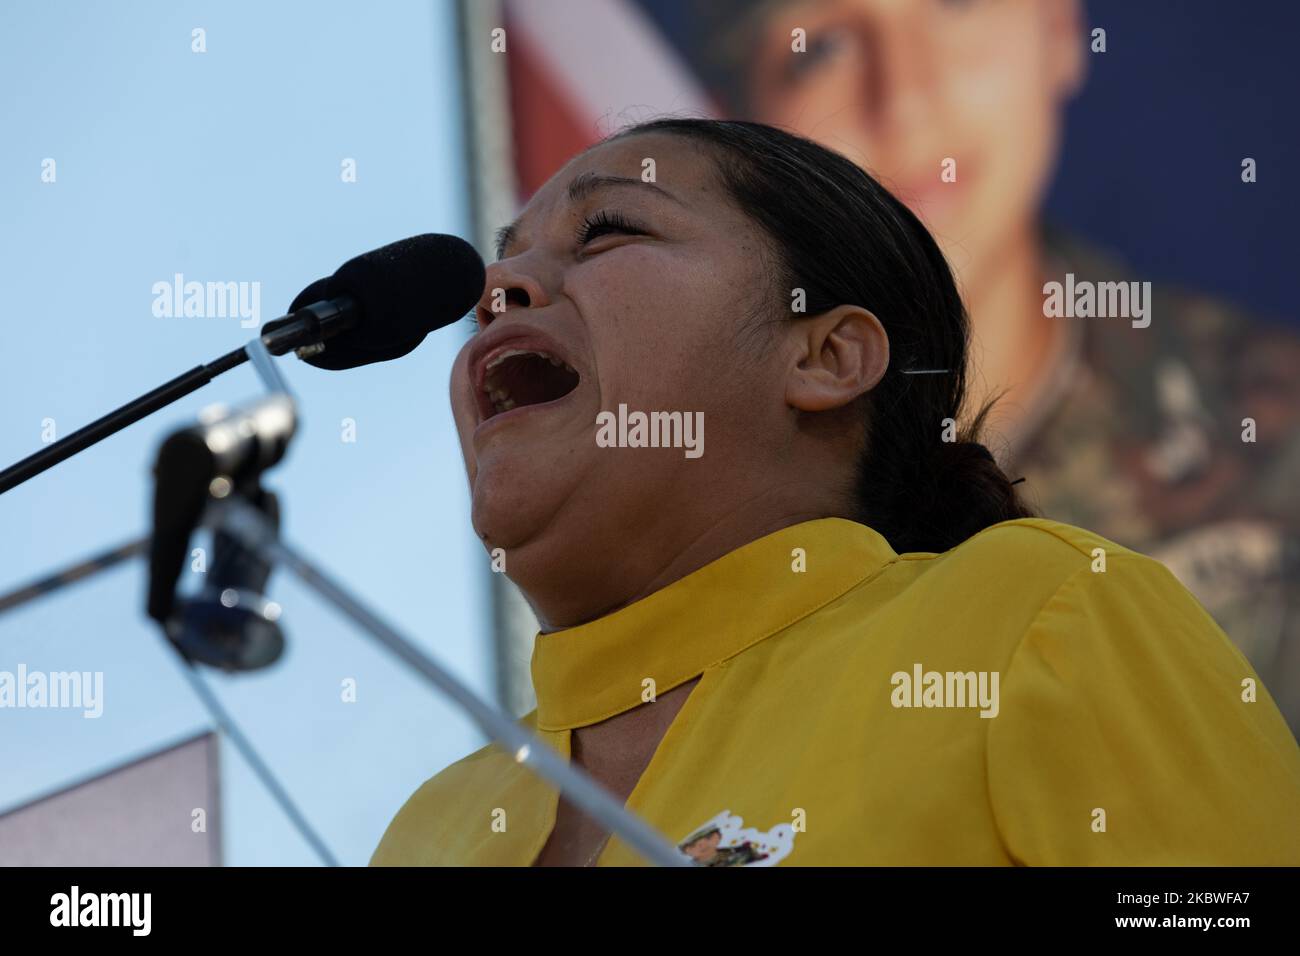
column 406, row 290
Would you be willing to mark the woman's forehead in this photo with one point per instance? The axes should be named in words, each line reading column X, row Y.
column 673, row 168
column 673, row 162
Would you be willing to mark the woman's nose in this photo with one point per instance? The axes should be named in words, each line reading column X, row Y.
column 509, row 286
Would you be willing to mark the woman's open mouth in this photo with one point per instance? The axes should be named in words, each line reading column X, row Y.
column 515, row 378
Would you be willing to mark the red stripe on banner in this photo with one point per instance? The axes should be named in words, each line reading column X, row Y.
column 548, row 128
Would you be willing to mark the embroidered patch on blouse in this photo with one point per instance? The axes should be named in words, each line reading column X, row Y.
column 725, row 841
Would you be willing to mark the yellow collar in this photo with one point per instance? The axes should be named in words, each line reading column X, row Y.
column 586, row 674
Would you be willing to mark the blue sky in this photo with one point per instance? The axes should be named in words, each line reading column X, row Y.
column 225, row 166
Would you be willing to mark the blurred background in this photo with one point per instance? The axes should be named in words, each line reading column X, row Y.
column 1107, row 140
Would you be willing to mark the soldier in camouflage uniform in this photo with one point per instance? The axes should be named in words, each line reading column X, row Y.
column 1139, row 434
column 1142, row 442
column 703, row 848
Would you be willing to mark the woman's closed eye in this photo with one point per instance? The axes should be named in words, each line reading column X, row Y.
column 605, row 222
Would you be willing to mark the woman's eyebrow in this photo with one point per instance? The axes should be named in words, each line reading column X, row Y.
column 583, row 185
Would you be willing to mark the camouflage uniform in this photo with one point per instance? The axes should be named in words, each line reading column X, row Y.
column 1142, row 443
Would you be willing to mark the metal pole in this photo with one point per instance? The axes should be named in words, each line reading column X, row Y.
column 247, row 523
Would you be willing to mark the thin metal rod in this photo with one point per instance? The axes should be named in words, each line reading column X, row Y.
column 285, row 333
column 116, row 420
column 73, row 573
column 114, row 556
column 245, row 747
column 244, row 521
column 266, row 368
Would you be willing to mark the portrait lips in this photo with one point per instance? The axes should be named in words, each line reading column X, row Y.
column 934, row 199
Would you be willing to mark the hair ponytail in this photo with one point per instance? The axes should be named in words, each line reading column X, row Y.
column 948, row 492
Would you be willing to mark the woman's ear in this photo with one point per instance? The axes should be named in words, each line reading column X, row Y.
column 838, row 355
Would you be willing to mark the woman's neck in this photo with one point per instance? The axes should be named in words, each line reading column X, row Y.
column 668, row 553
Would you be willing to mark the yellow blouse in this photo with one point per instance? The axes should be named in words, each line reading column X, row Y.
column 1037, row 695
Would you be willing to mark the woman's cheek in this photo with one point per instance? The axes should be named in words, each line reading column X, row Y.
column 461, row 396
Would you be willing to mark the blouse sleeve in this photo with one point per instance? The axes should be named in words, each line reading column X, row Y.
column 1132, row 732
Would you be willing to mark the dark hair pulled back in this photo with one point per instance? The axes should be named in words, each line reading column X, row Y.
column 844, row 239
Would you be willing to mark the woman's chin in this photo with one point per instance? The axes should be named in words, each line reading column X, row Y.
column 507, row 518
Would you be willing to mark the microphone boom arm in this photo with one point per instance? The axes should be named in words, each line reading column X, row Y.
column 304, row 329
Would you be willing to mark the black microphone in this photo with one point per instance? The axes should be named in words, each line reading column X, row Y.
column 382, row 304
column 376, row 307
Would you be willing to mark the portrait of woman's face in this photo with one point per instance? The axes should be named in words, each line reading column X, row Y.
column 648, row 293
column 899, row 86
